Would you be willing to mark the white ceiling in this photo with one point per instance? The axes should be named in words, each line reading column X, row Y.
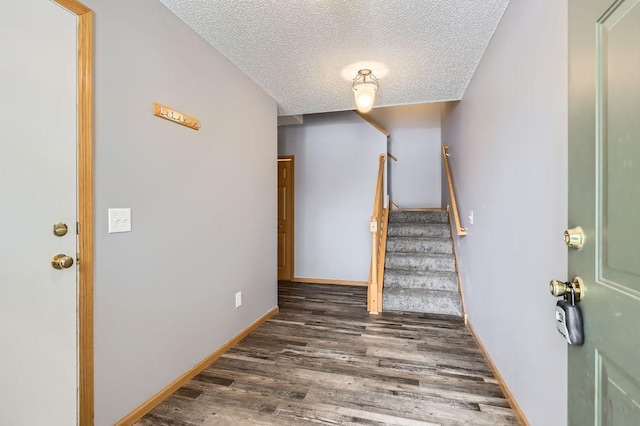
column 305, row 53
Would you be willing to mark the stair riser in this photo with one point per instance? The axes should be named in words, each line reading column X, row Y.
column 420, row 282
column 424, row 231
column 416, row 245
column 433, row 305
column 418, row 217
column 420, row 263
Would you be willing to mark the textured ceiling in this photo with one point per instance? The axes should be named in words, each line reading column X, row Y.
column 304, row 53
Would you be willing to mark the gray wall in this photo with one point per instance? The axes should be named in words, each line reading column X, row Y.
column 508, row 139
column 414, row 180
column 336, row 167
column 203, row 203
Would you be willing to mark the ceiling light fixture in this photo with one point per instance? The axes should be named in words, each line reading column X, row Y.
column 364, row 88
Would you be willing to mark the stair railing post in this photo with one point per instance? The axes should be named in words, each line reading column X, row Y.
column 373, row 288
column 375, row 281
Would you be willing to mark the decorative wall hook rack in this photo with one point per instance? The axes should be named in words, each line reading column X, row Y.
column 167, row 113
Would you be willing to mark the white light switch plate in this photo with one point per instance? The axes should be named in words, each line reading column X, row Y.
column 119, row 220
column 238, row 299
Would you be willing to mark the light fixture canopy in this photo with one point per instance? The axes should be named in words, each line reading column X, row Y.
column 364, row 88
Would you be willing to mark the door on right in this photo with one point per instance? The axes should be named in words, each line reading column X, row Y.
column 604, row 199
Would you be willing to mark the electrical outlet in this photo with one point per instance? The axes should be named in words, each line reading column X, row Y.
column 238, row 299
column 119, row 220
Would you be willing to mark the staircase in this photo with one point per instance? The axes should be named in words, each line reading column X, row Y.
column 420, row 268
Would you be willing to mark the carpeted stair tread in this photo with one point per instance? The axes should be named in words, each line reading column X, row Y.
column 430, row 230
column 430, row 280
column 422, row 300
column 432, row 216
column 419, row 245
column 420, row 267
column 420, row 261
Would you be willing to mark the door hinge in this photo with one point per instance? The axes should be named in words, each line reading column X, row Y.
column 77, row 228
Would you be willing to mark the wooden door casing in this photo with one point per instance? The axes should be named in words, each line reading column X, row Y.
column 80, row 166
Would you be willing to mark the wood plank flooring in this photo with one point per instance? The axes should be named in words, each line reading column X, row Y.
column 324, row 360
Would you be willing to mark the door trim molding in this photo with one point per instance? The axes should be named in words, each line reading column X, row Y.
column 85, row 209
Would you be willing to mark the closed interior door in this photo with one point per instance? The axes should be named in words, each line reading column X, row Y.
column 604, row 199
column 285, row 217
column 38, row 303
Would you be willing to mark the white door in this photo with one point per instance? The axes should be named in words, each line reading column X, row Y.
column 38, row 337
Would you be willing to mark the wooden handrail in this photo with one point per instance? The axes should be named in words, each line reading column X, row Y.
column 379, row 201
column 454, row 205
column 378, row 224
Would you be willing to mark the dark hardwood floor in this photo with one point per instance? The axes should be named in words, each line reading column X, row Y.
column 324, row 360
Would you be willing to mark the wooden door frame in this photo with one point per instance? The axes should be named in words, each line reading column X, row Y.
column 291, row 209
column 85, row 209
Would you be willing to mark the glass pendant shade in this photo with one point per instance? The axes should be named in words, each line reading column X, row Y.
column 365, row 94
column 364, row 89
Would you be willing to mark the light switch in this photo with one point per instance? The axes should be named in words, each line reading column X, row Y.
column 470, row 217
column 119, row 220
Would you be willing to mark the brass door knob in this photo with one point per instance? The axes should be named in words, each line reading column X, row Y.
column 61, row 261
column 560, row 288
column 574, row 237
column 60, row 229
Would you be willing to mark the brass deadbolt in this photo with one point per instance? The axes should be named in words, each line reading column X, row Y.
column 60, row 229
column 560, row 288
column 574, row 238
column 62, row 261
